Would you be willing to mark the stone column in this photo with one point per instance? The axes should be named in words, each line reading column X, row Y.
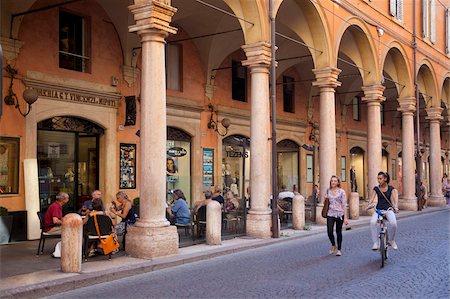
column 298, row 212
column 152, row 236
column 436, row 197
column 373, row 96
column 353, row 203
column 326, row 80
column 71, row 243
column 259, row 216
column 408, row 199
column 213, row 223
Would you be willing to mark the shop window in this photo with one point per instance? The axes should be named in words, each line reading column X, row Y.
column 174, row 67
column 396, row 9
column 382, row 114
column 9, row 165
column 288, row 94
column 429, row 19
column 287, row 159
column 74, row 45
column 235, row 170
column 238, row 82
column 309, row 169
column 356, row 105
column 343, row 168
column 178, row 163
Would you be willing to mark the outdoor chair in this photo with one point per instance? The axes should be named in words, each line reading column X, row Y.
column 188, row 227
column 200, row 221
column 44, row 235
column 90, row 233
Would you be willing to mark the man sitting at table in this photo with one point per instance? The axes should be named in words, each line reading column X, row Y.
column 87, row 205
column 53, row 216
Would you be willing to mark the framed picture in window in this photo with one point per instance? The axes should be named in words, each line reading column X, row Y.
column 127, row 175
column 208, row 167
column 9, row 165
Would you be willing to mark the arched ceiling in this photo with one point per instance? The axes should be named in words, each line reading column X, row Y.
column 396, row 67
column 425, row 82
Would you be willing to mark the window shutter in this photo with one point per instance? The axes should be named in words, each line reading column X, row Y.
column 392, row 8
column 400, row 10
column 425, row 18
column 433, row 21
column 447, row 23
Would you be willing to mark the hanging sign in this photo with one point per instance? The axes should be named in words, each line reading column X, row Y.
column 176, row 152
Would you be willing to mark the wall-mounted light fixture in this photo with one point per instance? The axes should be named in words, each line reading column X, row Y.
column 29, row 95
column 212, row 124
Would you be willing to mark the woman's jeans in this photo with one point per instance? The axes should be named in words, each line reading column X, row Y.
column 330, row 225
column 392, row 226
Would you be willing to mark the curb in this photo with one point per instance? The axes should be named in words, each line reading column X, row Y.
column 74, row 280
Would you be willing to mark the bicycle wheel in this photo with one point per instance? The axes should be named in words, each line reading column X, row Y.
column 382, row 248
column 387, row 245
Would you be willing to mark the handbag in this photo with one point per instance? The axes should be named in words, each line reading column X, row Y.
column 110, row 243
column 326, row 206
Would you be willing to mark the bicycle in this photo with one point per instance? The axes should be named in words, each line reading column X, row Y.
column 383, row 235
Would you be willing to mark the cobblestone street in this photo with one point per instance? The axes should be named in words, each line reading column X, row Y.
column 302, row 268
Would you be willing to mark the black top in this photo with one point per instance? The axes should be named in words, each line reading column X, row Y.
column 383, row 204
column 219, row 198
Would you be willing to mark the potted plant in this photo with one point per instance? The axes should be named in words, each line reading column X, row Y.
column 5, row 225
column 136, row 205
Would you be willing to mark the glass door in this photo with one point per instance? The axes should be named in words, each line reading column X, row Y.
column 87, row 168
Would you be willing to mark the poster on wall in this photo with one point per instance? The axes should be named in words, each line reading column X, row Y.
column 127, row 176
column 208, row 167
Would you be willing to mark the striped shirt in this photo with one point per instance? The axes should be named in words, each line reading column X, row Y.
column 338, row 203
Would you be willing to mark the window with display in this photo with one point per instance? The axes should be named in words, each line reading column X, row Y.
column 9, row 165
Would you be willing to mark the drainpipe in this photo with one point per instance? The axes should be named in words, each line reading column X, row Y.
column 416, row 91
column 273, row 84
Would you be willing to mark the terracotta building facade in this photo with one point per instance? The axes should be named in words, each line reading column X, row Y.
column 131, row 96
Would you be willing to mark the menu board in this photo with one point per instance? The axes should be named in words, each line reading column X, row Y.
column 208, row 167
column 127, row 176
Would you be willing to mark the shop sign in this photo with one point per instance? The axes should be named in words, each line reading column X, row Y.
column 237, row 154
column 176, row 152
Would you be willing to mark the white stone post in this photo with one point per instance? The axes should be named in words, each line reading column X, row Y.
column 213, row 223
column 152, row 236
column 71, row 243
column 259, row 216
column 326, row 80
column 408, row 199
column 373, row 96
column 436, row 197
column 354, row 205
column 298, row 212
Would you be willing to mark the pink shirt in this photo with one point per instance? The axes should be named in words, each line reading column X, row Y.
column 338, row 203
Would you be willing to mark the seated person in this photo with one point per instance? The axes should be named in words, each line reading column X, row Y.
column 87, row 205
column 123, row 208
column 53, row 216
column 231, row 204
column 179, row 212
column 97, row 209
column 217, row 196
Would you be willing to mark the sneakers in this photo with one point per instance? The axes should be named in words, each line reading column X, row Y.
column 393, row 245
column 375, row 246
column 332, row 250
column 339, row 253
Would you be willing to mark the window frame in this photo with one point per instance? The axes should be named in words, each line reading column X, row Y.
column 288, row 95
column 12, row 143
column 356, row 109
column 309, row 168
column 180, row 65
column 343, row 168
column 236, row 68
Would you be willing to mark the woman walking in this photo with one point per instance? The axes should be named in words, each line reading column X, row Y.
column 336, row 213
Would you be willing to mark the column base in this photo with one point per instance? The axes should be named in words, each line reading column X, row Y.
column 259, row 225
column 436, row 201
column 151, row 242
column 319, row 218
column 407, row 204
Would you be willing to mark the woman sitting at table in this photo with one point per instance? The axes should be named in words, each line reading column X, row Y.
column 124, row 208
column 97, row 209
column 231, row 203
column 179, row 211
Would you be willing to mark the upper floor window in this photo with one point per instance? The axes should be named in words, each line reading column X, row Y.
column 356, row 105
column 382, row 114
column 447, row 29
column 288, row 94
column 396, row 9
column 74, row 45
column 174, row 66
column 238, row 82
column 429, row 19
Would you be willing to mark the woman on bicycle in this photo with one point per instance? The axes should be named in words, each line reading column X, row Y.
column 386, row 198
column 336, row 213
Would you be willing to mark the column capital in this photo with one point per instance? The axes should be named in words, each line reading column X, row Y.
column 327, row 77
column 152, row 17
column 373, row 94
column 258, row 55
column 434, row 114
column 407, row 105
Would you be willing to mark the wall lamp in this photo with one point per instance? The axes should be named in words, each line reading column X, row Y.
column 29, row 95
column 212, row 124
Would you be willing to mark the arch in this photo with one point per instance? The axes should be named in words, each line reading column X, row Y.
column 355, row 41
column 445, row 92
column 177, row 133
column 306, row 20
column 426, row 81
column 287, row 144
column 395, row 63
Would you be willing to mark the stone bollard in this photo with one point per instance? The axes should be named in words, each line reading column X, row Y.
column 354, row 205
column 213, row 223
column 298, row 212
column 71, row 243
column 319, row 218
